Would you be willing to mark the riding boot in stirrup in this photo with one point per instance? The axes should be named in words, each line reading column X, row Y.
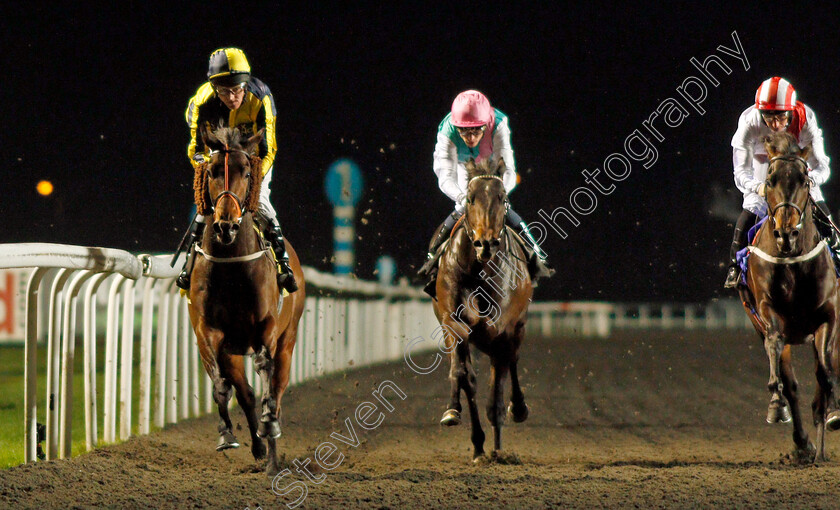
column 286, row 278
column 526, row 233
column 430, row 267
column 732, row 275
column 537, row 265
column 196, row 231
column 739, row 240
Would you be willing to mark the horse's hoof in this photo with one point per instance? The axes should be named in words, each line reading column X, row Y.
column 269, row 429
column 807, row 455
column 451, row 418
column 480, row 460
column 778, row 413
column 258, row 450
column 226, row 441
column 518, row 415
column 832, row 421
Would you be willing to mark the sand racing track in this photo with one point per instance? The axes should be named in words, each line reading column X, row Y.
column 641, row 420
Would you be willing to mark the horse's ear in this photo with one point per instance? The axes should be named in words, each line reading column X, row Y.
column 470, row 166
column 208, row 137
column 805, row 152
column 770, row 147
column 501, row 167
column 252, row 143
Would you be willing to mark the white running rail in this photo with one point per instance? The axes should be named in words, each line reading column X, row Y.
column 346, row 323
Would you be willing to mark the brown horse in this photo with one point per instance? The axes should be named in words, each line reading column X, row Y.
column 792, row 295
column 234, row 301
column 483, row 292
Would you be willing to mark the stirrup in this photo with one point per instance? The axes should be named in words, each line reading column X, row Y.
column 733, row 276
column 286, row 278
column 183, row 281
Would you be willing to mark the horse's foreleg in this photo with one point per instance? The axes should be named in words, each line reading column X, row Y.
column 246, row 399
column 279, row 382
column 495, row 401
column 777, row 410
column 221, row 394
column 517, row 409
column 827, row 359
column 209, row 341
column 804, row 451
column 468, row 383
column 819, row 406
column 268, row 426
column 457, row 373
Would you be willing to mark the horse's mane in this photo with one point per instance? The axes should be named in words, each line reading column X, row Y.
column 487, row 166
column 231, row 137
column 782, row 143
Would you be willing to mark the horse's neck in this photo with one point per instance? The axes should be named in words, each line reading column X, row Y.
column 244, row 244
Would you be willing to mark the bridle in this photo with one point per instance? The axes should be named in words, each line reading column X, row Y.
column 227, row 192
column 468, row 227
column 795, row 207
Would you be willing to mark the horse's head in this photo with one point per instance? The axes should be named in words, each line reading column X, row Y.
column 231, row 180
column 787, row 188
column 486, row 206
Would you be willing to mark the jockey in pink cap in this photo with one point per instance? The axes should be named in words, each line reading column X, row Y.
column 474, row 130
column 775, row 109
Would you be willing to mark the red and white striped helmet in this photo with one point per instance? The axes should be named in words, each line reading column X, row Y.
column 775, row 94
column 471, row 109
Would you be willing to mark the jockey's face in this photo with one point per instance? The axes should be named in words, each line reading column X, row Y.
column 471, row 136
column 232, row 97
column 777, row 121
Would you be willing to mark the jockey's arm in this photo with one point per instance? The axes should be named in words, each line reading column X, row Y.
column 446, row 167
column 743, row 142
column 193, row 122
column 267, row 119
column 503, row 149
column 818, row 161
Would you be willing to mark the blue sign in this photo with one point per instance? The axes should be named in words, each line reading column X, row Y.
column 386, row 269
column 344, row 183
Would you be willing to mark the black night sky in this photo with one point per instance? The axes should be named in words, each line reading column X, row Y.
column 94, row 101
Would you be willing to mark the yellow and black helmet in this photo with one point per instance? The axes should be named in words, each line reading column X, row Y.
column 228, row 67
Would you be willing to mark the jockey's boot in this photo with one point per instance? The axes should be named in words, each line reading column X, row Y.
column 430, row 267
column 196, row 231
column 537, row 264
column 286, row 278
column 739, row 240
column 733, row 274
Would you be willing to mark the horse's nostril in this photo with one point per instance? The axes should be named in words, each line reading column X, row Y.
column 234, row 227
column 777, row 234
column 217, row 228
column 794, row 234
column 477, row 244
column 495, row 243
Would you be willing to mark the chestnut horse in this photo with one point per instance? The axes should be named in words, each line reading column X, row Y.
column 792, row 295
column 483, row 293
column 234, row 301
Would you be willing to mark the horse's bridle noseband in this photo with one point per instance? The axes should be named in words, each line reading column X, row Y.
column 798, row 209
column 227, row 192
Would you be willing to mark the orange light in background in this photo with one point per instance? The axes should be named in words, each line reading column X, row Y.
column 44, row 188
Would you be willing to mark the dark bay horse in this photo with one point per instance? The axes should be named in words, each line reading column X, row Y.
column 483, row 293
column 792, row 295
column 234, row 301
